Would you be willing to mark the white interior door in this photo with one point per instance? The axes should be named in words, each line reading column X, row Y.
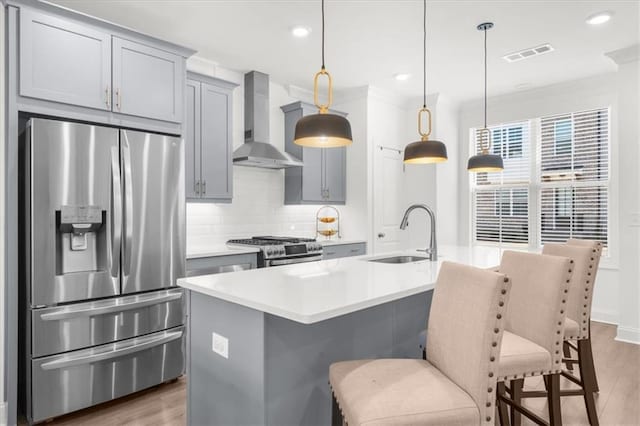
column 388, row 200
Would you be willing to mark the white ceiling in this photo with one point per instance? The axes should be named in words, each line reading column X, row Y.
column 367, row 42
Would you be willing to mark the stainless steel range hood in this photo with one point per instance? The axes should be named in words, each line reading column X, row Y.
column 256, row 150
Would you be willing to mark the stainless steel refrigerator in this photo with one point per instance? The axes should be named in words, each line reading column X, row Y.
column 104, row 242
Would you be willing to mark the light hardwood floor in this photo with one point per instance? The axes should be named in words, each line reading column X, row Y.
column 617, row 366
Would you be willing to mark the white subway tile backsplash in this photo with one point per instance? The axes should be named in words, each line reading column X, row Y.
column 257, row 209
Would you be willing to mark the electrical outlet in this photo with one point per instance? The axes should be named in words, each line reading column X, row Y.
column 220, row 345
column 635, row 220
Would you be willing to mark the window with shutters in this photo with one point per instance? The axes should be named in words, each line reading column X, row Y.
column 555, row 181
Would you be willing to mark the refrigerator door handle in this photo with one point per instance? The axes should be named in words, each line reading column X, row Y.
column 128, row 205
column 90, row 311
column 116, row 213
column 142, row 344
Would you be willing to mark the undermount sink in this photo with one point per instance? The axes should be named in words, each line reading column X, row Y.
column 399, row 259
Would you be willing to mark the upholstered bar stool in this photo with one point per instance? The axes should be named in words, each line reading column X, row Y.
column 596, row 249
column 586, row 258
column 456, row 384
column 534, row 327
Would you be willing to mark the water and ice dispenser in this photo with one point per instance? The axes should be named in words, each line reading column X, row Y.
column 81, row 239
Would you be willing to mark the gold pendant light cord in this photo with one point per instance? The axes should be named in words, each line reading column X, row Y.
column 424, row 135
column 485, row 130
column 322, row 34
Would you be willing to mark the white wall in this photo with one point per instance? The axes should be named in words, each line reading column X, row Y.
column 594, row 92
column 258, row 200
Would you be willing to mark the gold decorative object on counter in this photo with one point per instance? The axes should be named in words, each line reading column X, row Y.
column 328, row 222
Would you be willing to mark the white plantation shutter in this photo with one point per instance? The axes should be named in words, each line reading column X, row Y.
column 501, row 199
column 574, row 176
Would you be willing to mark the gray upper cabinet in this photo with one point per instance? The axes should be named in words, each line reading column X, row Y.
column 209, row 139
column 322, row 179
column 192, row 134
column 147, row 82
column 130, row 77
column 64, row 61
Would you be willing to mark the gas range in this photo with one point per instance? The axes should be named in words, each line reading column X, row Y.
column 275, row 251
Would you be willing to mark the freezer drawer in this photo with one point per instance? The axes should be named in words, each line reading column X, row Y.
column 80, row 325
column 75, row 380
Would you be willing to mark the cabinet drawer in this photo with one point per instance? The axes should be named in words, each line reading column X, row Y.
column 81, row 325
column 344, row 250
column 79, row 379
column 221, row 264
column 64, row 61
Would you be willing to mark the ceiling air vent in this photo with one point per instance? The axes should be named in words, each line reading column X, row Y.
column 528, row 53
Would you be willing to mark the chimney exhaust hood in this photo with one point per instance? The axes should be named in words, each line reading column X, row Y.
column 256, row 151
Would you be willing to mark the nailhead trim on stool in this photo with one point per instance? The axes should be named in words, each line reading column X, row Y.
column 495, row 350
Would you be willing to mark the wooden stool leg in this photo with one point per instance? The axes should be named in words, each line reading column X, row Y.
column 516, row 396
column 592, row 367
column 566, row 350
column 336, row 414
column 587, row 377
column 503, row 415
column 552, row 382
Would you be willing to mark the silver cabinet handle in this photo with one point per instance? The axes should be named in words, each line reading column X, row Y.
column 381, row 234
column 197, row 187
column 116, row 213
column 118, row 99
column 204, row 186
column 107, row 93
column 138, row 345
column 354, row 250
column 90, row 310
column 128, row 204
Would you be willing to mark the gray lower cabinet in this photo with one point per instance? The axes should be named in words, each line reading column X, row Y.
column 209, row 148
column 147, row 82
column 76, row 63
column 219, row 264
column 336, row 251
column 322, row 179
column 64, row 61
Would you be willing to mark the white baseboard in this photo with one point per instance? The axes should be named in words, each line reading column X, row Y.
column 628, row 335
column 3, row 413
column 607, row 317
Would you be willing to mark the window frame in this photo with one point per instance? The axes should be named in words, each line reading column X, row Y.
column 535, row 185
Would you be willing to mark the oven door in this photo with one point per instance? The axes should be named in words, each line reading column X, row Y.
column 292, row 260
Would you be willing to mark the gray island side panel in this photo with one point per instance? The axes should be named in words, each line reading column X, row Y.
column 278, row 370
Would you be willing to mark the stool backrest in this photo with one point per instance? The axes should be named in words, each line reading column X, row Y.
column 465, row 330
column 537, row 307
column 581, row 286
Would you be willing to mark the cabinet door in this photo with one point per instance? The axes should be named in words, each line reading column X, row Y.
column 216, row 148
column 63, row 61
column 312, row 176
column 335, row 170
column 147, row 82
column 192, row 140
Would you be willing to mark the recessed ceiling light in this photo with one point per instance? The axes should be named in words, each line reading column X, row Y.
column 599, row 18
column 402, row 76
column 300, row 31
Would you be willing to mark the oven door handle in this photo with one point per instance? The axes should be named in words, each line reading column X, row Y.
column 291, row 261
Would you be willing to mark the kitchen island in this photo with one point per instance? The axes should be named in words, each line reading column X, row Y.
column 261, row 341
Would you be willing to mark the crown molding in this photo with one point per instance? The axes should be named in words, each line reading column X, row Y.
column 626, row 55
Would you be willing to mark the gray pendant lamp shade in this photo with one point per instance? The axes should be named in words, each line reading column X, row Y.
column 425, row 151
column 484, row 161
column 323, row 130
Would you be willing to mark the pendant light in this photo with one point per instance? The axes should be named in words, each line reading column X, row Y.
column 425, row 151
column 485, row 162
column 323, row 130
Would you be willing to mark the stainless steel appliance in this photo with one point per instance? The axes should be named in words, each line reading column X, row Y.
column 275, row 251
column 104, row 242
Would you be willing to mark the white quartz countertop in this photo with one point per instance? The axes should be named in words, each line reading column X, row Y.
column 316, row 291
column 328, row 243
column 195, row 252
